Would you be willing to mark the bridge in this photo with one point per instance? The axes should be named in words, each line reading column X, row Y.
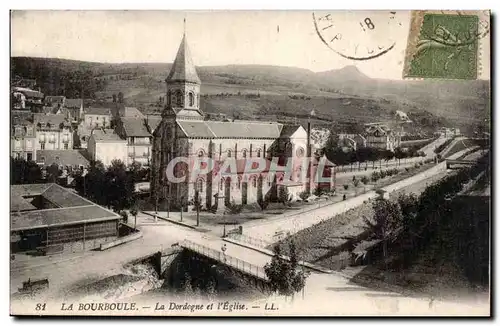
column 242, row 266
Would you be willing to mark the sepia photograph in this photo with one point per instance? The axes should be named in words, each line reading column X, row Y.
column 250, row 163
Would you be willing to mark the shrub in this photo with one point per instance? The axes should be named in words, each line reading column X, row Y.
column 421, row 163
column 346, row 186
column 407, row 169
column 318, row 191
column 364, row 179
column 375, row 176
column 388, row 173
column 416, row 165
column 383, row 174
column 233, row 208
column 396, row 171
column 304, row 195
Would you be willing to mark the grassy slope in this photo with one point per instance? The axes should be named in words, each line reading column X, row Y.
column 329, row 91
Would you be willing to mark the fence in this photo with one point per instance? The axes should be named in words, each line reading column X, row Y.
column 250, row 240
column 231, row 261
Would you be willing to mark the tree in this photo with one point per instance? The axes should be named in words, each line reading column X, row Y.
column 283, row 274
column 24, row 172
column 93, row 185
column 119, row 186
column 387, row 218
column 134, row 212
column 365, row 180
column 53, row 173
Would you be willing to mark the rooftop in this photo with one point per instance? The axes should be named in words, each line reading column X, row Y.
column 220, row 129
column 98, row 111
column 70, row 207
column 183, row 68
column 62, row 157
column 106, row 135
column 73, row 102
column 134, row 127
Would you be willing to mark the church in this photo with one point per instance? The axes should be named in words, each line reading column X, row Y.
column 184, row 132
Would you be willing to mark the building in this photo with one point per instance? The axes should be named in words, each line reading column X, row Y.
column 97, row 118
column 53, row 132
column 105, row 145
column 184, row 132
column 23, row 136
column 26, row 99
column 135, row 131
column 72, row 109
column 351, row 141
column 48, row 219
column 67, row 160
column 381, row 137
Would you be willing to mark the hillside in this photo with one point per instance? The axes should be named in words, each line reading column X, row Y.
column 259, row 90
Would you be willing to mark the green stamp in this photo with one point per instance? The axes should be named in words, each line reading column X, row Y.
column 446, row 47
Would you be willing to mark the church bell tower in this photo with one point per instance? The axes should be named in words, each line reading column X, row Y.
column 183, row 85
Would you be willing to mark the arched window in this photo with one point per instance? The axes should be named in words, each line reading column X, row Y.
column 169, row 97
column 201, row 153
column 221, row 184
column 244, row 153
column 239, row 181
column 178, row 97
column 199, row 185
column 229, row 153
column 254, row 182
column 191, row 99
column 259, row 152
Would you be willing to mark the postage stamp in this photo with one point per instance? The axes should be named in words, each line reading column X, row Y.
column 445, row 44
column 249, row 163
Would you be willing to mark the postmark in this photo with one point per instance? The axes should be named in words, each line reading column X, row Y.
column 358, row 35
column 445, row 44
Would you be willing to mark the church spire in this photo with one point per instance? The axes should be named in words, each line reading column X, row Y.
column 183, row 69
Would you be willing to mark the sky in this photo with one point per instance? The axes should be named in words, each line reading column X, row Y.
column 283, row 38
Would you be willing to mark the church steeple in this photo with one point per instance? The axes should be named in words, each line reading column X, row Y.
column 183, row 85
column 183, row 69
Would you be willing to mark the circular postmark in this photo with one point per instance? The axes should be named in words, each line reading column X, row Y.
column 358, row 35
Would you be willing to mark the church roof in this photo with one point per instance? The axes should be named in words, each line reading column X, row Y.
column 183, row 68
column 220, row 129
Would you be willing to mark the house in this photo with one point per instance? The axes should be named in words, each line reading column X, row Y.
column 138, row 137
column 23, row 136
column 26, row 99
column 380, row 136
column 105, row 145
column 72, row 109
column 65, row 159
column 95, row 117
column 52, row 132
column 351, row 141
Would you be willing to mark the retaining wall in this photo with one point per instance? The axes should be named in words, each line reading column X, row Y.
column 274, row 230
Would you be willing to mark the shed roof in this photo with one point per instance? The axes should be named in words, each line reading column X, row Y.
column 72, row 209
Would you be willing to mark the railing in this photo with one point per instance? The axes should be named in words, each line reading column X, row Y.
column 250, row 240
column 234, row 262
